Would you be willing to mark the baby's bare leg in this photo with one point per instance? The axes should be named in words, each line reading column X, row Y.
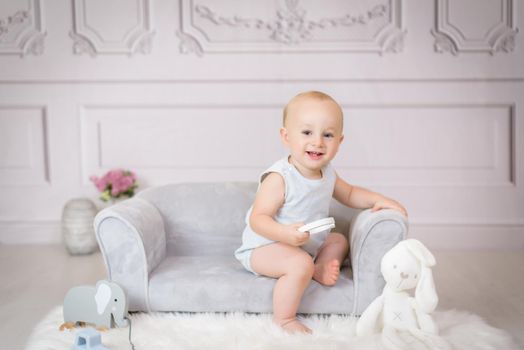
column 294, row 268
column 330, row 258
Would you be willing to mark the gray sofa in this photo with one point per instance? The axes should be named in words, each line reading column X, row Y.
column 171, row 249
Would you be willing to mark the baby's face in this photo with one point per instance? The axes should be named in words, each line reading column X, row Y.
column 313, row 133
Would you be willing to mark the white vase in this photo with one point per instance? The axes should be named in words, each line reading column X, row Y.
column 77, row 226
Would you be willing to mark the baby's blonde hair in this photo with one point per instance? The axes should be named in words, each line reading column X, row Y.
column 316, row 95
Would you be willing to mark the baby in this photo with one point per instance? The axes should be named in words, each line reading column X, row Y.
column 298, row 190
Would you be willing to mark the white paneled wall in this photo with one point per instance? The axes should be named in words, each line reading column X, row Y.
column 192, row 90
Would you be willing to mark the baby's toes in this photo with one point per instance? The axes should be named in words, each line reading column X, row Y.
column 330, row 273
column 334, row 266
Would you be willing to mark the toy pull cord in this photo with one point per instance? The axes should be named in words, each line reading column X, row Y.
column 130, row 342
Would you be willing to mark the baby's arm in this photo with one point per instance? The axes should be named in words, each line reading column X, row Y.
column 360, row 198
column 269, row 199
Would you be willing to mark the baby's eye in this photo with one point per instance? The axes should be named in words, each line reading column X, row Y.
column 306, row 132
column 328, row 135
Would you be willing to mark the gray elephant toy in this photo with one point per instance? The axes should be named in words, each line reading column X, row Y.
column 104, row 305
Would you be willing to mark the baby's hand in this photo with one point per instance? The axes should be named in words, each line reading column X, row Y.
column 294, row 237
column 387, row 203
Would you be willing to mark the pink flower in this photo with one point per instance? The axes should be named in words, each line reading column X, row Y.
column 126, row 183
column 115, row 182
column 99, row 183
column 115, row 190
column 115, row 175
column 121, row 185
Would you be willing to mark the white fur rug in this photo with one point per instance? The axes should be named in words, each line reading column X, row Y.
column 245, row 331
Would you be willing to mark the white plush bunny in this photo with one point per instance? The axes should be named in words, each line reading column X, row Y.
column 405, row 321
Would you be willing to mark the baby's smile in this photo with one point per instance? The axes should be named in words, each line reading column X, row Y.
column 315, row 155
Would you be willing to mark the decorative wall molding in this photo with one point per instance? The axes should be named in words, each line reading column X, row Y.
column 24, row 160
column 91, row 40
column 189, row 44
column 492, row 38
column 486, row 160
column 22, row 33
column 456, row 143
column 486, row 133
column 150, row 128
column 214, row 27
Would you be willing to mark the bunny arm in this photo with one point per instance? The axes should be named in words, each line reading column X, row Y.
column 132, row 240
column 425, row 321
column 372, row 234
column 367, row 323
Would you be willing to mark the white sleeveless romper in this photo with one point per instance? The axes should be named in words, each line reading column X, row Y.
column 305, row 201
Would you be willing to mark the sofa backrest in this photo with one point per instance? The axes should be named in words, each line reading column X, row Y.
column 209, row 218
column 202, row 218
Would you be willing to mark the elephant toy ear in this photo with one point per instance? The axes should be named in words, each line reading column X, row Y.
column 102, row 296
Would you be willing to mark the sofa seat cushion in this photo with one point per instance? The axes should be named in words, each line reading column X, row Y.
column 221, row 284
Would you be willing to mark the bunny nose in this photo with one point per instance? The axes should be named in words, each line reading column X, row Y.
column 404, row 275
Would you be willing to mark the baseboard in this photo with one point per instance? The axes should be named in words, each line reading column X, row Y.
column 469, row 236
column 435, row 236
column 30, row 232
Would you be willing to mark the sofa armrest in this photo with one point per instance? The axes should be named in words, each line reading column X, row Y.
column 132, row 240
column 372, row 234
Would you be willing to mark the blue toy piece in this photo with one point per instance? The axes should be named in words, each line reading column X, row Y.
column 88, row 339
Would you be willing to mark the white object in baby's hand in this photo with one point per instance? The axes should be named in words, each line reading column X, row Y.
column 318, row 226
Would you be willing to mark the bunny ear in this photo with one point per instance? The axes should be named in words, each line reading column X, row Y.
column 102, row 296
column 425, row 294
column 420, row 251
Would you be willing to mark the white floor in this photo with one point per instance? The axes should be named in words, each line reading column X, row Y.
column 36, row 279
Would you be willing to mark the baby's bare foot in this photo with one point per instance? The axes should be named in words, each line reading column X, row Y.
column 327, row 273
column 294, row 326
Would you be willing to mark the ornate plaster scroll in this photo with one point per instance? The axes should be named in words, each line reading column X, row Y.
column 22, row 32
column 291, row 26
